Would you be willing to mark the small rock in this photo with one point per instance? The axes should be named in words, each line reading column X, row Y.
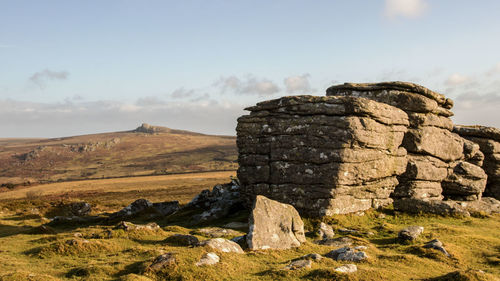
column 313, row 256
column 381, row 216
column 80, row 208
column 216, row 232
column 410, row 233
column 223, row 245
column 336, row 242
column 183, row 240
column 325, row 231
column 208, row 259
column 347, row 254
column 437, row 245
column 78, row 235
column 128, row 226
column 298, row 264
column 74, row 242
column 160, row 262
column 360, row 248
column 347, row 268
column 348, row 231
column 237, row 225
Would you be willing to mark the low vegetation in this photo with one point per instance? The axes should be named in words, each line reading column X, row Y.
column 98, row 251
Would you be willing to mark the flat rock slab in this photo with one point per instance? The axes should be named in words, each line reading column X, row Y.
column 182, row 240
column 347, row 254
column 410, row 233
column 336, row 242
column 223, row 245
column 347, row 268
column 299, row 264
column 274, row 225
column 208, row 259
column 437, row 245
column 161, row 262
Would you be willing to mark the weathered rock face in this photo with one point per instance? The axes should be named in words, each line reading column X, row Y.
column 274, row 225
column 323, row 155
column 440, row 162
column 488, row 140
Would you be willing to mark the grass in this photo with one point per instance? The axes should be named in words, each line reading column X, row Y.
column 100, row 252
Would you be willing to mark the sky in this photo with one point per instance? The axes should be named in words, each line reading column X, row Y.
column 83, row 67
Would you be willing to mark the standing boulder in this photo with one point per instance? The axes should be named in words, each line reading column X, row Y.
column 274, row 225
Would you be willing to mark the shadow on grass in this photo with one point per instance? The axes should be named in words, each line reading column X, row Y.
column 10, row 230
column 136, row 268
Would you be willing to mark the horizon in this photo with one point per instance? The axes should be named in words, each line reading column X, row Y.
column 78, row 68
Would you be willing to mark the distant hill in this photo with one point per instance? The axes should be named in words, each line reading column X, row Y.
column 146, row 150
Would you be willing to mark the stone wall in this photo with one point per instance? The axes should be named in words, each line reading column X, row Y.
column 488, row 139
column 323, row 155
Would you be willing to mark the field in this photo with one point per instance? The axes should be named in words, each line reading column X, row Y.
column 110, row 155
column 28, row 252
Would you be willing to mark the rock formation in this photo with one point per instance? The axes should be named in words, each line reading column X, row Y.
column 364, row 145
column 441, row 164
column 488, row 139
column 323, row 155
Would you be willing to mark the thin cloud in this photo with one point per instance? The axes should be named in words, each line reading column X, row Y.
column 182, row 93
column 494, row 70
column 405, row 8
column 59, row 119
column 298, row 84
column 457, row 79
column 40, row 78
column 250, row 85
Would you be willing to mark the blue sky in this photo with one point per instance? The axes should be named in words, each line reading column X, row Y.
column 76, row 67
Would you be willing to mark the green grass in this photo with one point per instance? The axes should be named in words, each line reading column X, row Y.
column 98, row 252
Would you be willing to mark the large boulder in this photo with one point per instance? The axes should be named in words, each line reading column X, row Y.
column 323, row 155
column 274, row 225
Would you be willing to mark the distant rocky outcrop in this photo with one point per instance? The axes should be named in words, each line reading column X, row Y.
column 363, row 146
column 149, row 129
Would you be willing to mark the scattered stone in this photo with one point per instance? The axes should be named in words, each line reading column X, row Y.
column 437, row 245
column 128, row 226
column 347, row 268
column 237, row 225
column 360, row 248
column 77, row 235
column 274, row 225
column 75, row 242
column 223, row 245
column 142, row 205
column 325, row 231
column 224, row 199
column 216, row 232
column 336, row 242
column 208, row 259
column 166, row 208
column 347, row 254
column 313, row 256
column 161, row 262
column 183, row 240
column 299, row 264
column 80, row 208
column 410, row 233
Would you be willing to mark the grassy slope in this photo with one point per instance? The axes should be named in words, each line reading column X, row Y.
column 474, row 243
column 114, row 155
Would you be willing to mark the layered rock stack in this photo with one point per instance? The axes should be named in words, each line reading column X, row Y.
column 440, row 163
column 323, row 155
column 488, row 139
